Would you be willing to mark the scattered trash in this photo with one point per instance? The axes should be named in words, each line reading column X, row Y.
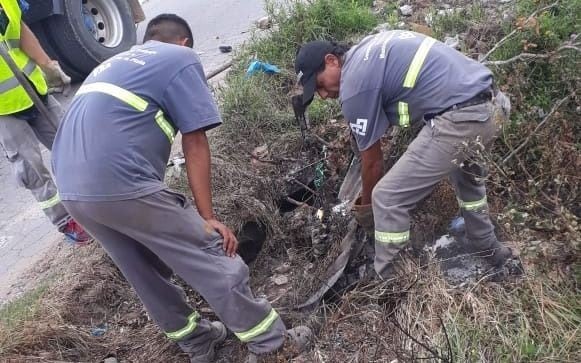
column 280, row 280
column 457, row 226
column 283, row 269
column 260, row 152
column 99, row 330
column 264, row 23
column 258, row 66
column 406, row 10
column 381, row 28
column 225, row 48
column 453, row 42
column 341, row 208
column 319, row 174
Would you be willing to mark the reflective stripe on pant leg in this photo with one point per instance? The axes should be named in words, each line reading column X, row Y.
column 49, row 203
column 260, row 328
column 475, row 205
column 186, row 330
column 387, row 246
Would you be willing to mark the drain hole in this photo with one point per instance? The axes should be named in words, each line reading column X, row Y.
column 302, row 195
column 250, row 240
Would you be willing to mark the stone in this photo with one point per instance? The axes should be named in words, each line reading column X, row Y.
column 406, row 10
column 264, row 23
column 381, row 28
column 283, row 269
column 280, row 280
column 452, row 42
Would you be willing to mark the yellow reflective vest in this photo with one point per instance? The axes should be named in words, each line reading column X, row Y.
column 13, row 97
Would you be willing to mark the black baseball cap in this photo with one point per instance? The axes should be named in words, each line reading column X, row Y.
column 309, row 61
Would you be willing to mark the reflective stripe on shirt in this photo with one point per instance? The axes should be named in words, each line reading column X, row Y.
column 131, row 99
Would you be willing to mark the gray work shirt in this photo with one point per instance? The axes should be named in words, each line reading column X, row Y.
column 105, row 149
column 399, row 77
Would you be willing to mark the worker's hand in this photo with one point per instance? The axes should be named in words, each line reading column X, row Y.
column 363, row 214
column 230, row 244
column 57, row 80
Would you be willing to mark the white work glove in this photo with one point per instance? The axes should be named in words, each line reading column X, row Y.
column 57, row 80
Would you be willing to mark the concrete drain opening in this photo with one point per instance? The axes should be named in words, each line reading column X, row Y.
column 250, row 240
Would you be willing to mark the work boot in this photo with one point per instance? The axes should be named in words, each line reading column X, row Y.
column 297, row 340
column 494, row 252
column 76, row 234
column 205, row 353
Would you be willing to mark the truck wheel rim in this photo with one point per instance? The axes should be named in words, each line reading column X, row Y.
column 103, row 20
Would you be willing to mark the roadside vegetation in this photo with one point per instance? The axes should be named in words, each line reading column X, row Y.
column 534, row 196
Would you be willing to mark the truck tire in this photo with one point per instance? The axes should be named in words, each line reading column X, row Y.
column 91, row 31
column 47, row 44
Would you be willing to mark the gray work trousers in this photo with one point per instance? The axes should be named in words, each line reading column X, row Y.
column 445, row 147
column 152, row 237
column 19, row 139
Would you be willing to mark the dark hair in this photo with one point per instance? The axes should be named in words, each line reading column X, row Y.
column 168, row 28
column 339, row 50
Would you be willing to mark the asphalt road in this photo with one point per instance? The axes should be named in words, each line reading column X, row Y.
column 26, row 236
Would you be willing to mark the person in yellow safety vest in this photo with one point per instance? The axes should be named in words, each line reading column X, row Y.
column 22, row 126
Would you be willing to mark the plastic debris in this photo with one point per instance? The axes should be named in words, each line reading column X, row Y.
column 99, row 330
column 258, row 66
column 225, row 48
column 457, row 226
column 453, row 42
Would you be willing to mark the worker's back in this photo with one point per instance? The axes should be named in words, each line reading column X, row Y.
column 117, row 134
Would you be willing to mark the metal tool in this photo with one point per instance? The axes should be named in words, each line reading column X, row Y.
column 300, row 116
column 40, row 106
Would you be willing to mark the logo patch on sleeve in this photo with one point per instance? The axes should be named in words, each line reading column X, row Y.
column 359, row 127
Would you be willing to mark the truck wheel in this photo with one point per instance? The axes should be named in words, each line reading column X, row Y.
column 47, row 44
column 91, row 31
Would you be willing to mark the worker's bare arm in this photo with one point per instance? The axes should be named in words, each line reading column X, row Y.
column 371, row 170
column 197, row 155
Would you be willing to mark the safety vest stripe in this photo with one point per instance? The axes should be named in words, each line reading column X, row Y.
column 12, row 82
column 12, row 43
column 404, row 115
column 259, row 329
column 389, row 237
column 112, row 90
column 473, row 206
column 187, row 330
column 165, row 126
column 56, row 199
column 417, row 63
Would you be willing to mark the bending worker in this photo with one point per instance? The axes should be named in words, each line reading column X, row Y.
column 22, row 126
column 398, row 78
column 117, row 135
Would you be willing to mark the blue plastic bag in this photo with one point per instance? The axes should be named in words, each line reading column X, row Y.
column 258, row 66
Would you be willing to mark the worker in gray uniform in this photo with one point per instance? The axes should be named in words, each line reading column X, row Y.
column 397, row 78
column 117, row 135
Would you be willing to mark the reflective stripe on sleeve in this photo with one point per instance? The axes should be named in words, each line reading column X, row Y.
column 390, row 237
column 417, row 63
column 404, row 116
column 165, row 126
column 260, row 328
column 187, row 330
